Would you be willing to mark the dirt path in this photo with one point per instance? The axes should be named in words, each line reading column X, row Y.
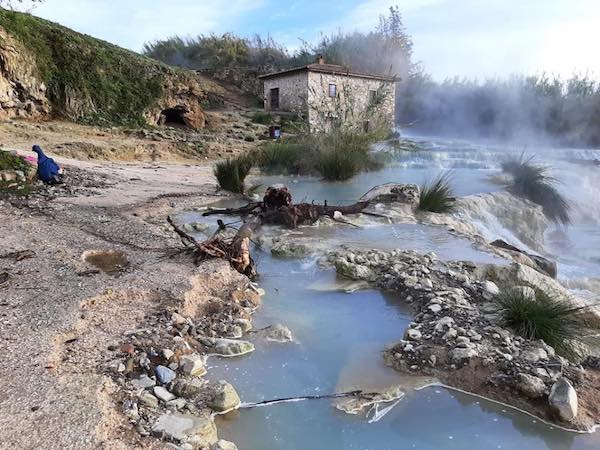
column 60, row 323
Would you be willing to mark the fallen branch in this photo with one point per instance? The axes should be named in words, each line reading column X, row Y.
column 235, row 250
column 359, row 394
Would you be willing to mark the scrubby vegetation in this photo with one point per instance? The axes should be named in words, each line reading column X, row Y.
column 263, row 118
column 531, row 181
column 565, row 111
column 386, row 49
column 437, row 196
column 87, row 79
column 12, row 163
column 556, row 322
column 336, row 155
column 232, row 172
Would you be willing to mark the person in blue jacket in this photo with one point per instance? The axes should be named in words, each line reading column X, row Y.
column 47, row 170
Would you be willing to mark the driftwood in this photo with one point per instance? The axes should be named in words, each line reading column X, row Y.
column 277, row 208
column 236, row 250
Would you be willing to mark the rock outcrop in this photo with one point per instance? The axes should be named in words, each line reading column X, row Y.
column 49, row 70
column 22, row 93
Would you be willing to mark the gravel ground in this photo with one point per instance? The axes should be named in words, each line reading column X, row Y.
column 59, row 315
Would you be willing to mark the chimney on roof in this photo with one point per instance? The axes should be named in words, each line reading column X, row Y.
column 320, row 59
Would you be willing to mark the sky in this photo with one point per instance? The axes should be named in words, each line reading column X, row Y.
column 466, row 38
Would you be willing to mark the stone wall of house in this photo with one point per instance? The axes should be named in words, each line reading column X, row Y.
column 293, row 89
column 353, row 104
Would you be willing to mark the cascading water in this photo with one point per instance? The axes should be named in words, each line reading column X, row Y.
column 339, row 337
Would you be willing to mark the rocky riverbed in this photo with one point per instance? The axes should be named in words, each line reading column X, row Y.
column 458, row 336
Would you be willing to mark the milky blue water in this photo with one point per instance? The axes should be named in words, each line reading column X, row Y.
column 339, row 337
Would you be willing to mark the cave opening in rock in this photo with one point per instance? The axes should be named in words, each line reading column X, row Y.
column 173, row 116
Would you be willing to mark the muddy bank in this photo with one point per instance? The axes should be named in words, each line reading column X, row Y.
column 459, row 337
column 80, row 325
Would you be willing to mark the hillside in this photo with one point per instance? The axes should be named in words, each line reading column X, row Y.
column 47, row 70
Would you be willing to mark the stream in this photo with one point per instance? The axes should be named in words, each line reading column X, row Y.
column 339, row 336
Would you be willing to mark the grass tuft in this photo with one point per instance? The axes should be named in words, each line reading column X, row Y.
column 555, row 321
column 531, row 181
column 438, row 196
column 232, row 172
column 283, row 156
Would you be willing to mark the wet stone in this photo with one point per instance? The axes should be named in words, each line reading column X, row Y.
column 225, row 398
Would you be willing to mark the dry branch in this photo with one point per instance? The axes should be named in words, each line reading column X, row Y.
column 236, row 250
column 277, row 208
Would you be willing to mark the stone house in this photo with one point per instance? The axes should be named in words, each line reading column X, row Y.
column 328, row 95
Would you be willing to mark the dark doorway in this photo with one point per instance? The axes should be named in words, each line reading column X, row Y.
column 274, row 98
column 173, row 116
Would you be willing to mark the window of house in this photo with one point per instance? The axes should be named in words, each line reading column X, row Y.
column 372, row 96
column 274, row 94
column 332, row 90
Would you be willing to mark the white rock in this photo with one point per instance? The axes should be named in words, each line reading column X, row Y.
column 563, row 400
column 435, row 308
column 222, row 444
column 192, row 365
column 143, row 382
column 279, row 333
column 225, row 398
column 533, row 355
column 531, row 386
column 459, row 355
column 185, row 427
column 163, row 394
column 231, row 347
column 443, row 323
column 178, row 319
column 413, row 334
column 489, row 287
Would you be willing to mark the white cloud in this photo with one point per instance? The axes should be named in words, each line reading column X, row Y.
column 131, row 23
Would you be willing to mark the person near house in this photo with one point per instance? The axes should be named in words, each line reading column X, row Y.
column 47, row 170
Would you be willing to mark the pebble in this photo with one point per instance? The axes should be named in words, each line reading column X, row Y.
column 163, row 394
column 435, row 308
column 148, row 399
column 413, row 334
column 143, row 382
column 164, row 375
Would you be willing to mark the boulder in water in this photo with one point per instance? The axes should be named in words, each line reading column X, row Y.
column 563, row 400
column 232, row 347
column 222, row 444
column 354, row 271
column 393, row 192
column 537, row 262
column 225, row 398
column 279, row 333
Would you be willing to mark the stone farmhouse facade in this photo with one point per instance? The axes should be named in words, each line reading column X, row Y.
column 329, row 95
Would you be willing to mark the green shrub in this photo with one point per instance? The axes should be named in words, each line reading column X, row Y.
column 10, row 161
column 335, row 155
column 232, row 172
column 283, row 156
column 437, row 196
column 263, row 118
column 555, row 321
column 531, row 181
